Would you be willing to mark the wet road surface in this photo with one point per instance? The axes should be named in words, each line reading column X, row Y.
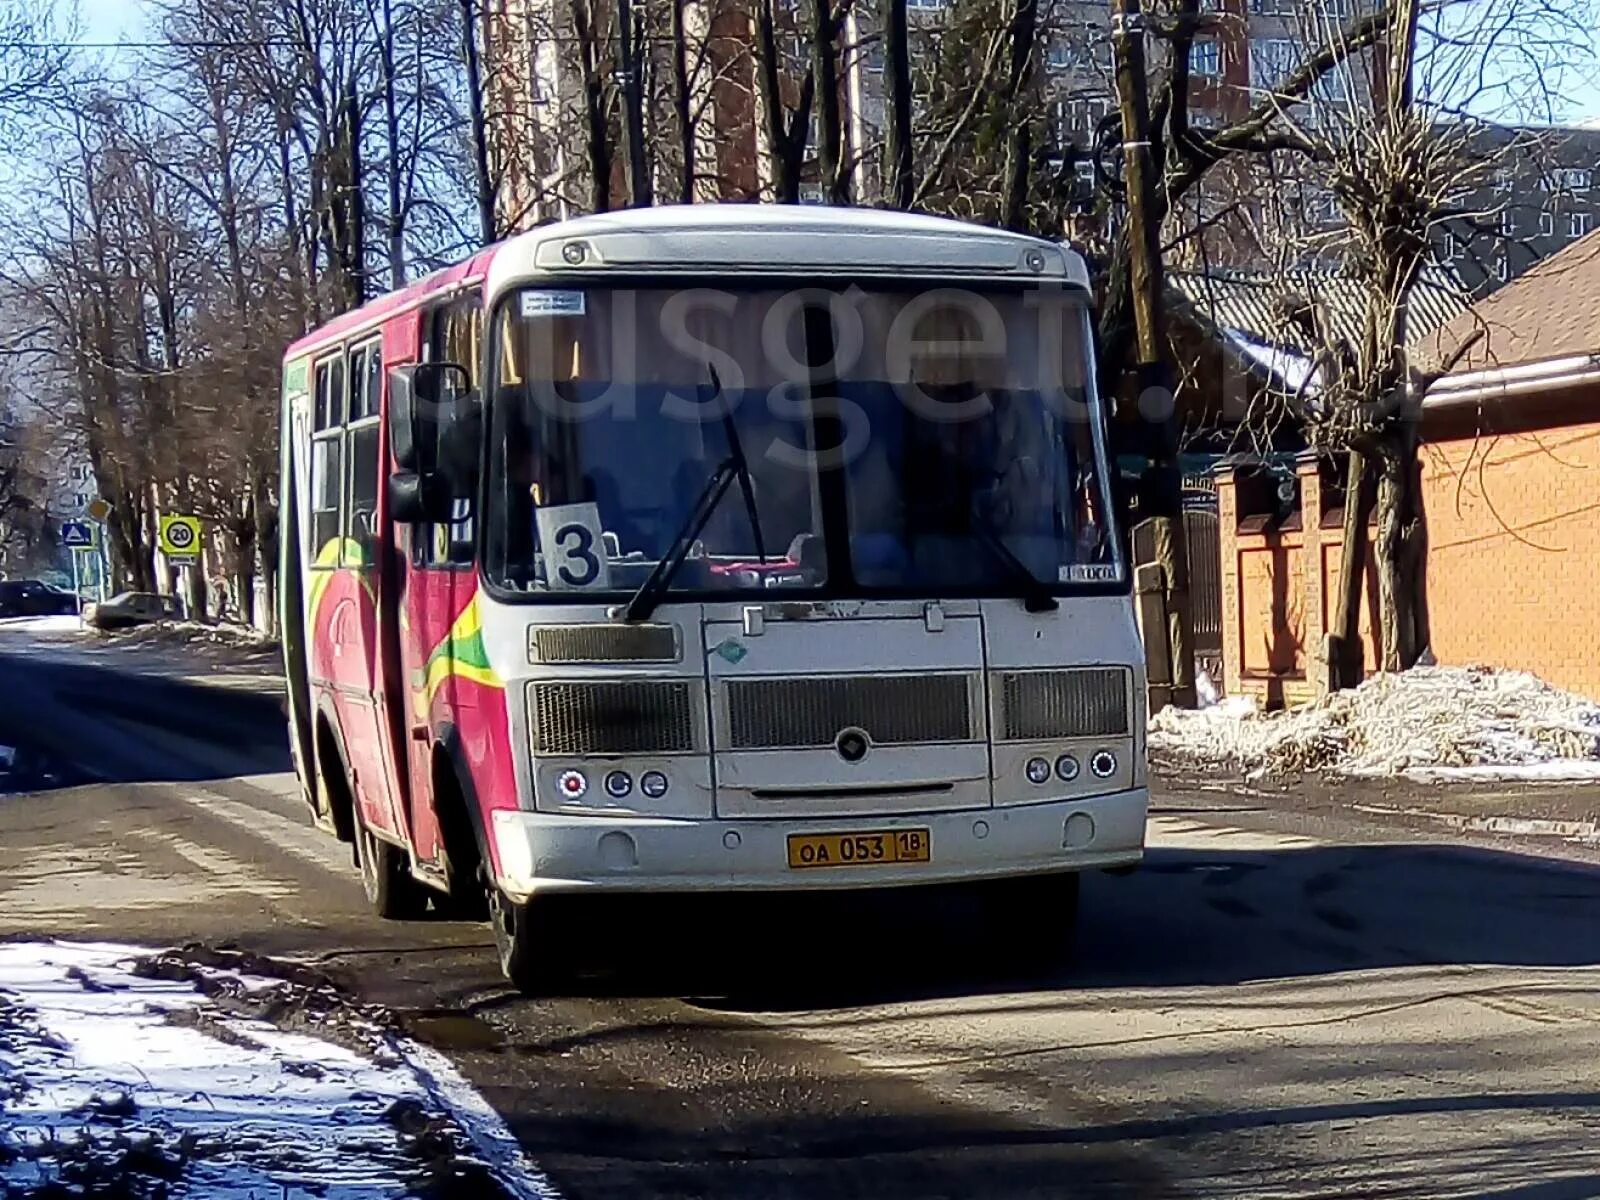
column 1290, row 1000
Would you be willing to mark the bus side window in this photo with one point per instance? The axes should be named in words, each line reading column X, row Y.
column 362, row 445
column 453, row 333
column 327, row 461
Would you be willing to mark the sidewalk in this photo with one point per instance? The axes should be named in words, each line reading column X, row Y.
column 1566, row 813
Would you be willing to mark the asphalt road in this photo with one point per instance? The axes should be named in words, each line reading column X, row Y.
column 1293, row 998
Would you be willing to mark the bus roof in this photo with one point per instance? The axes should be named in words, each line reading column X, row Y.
column 701, row 239
column 711, row 238
column 374, row 312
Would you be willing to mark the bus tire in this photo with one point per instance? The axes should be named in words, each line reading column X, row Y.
column 386, row 878
column 1030, row 922
column 523, row 959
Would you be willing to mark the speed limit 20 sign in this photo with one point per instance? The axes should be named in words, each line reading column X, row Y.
column 180, row 538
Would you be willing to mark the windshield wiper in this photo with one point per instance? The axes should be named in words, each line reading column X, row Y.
column 1036, row 597
column 644, row 601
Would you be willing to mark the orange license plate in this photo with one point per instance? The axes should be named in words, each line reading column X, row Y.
column 871, row 849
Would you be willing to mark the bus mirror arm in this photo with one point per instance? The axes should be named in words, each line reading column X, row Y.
column 418, row 496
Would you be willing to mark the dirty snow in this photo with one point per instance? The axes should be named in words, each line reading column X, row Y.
column 1433, row 722
column 107, row 1076
column 193, row 633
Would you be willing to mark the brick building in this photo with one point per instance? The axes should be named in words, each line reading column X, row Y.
column 1511, row 477
column 1510, row 467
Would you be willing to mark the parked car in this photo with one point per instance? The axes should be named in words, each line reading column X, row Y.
column 132, row 608
column 32, row 598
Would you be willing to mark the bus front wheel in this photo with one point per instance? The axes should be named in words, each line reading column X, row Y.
column 516, row 939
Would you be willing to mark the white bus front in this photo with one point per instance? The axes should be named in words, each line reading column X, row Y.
column 799, row 561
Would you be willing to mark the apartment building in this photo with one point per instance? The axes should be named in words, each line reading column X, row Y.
column 1539, row 192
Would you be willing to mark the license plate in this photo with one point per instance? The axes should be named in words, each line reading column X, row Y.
column 807, row 850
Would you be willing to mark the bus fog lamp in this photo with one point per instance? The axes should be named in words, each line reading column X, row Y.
column 1103, row 764
column 1038, row 770
column 653, row 784
column 1067, row 768
column 573, row 785
column 618, row 784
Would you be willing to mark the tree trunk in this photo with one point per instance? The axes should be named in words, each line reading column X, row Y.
column 899, row 185
column 682, row 101
column 830, row 119
column 391, row 131
column 488, row 226
column 638, row 161
column 597, row 141
column 1019, row 139
column 1344, row 659
column 786, row 139
column 1399, row 523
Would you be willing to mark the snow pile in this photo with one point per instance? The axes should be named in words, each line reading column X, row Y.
column 1433, row 720
column 115, row 1082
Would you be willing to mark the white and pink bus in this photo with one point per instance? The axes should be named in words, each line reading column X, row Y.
column 721, row 548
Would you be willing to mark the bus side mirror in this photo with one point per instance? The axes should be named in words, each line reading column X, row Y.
column 417, row 393
column 418, row 496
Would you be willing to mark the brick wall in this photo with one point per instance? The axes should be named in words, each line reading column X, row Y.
column 1514, row 550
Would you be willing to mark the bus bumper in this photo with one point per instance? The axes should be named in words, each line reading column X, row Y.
column 541, row 852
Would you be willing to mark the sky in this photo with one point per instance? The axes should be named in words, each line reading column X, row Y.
column 126, row 20
column 111, row 20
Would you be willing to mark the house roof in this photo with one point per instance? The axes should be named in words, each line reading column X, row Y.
column 1255, row 305
column 1551, row 312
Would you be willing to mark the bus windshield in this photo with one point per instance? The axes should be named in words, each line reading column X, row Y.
column 868, row 441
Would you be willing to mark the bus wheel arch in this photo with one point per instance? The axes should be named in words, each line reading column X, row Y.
column 338, row 802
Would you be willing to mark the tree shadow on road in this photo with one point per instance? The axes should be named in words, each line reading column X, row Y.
column 62, row 725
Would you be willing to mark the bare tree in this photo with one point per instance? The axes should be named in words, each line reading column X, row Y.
column 1389, row 134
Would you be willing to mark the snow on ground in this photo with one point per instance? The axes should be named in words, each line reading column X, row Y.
column 194, row 633
column 1437, row 723
column 112, row 1079
column 50, row 625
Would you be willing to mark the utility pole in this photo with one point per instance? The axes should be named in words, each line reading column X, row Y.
column 633, row 108
column 1154, row 377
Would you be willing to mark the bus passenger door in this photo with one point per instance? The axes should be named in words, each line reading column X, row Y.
column 355, row 623
column 440, row 583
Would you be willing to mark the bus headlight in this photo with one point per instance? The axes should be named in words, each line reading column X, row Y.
column 1067, row 768
column 618, row 784
column 1103, row 764
column 573, row 785
column 653, row 784
column 1038, row 770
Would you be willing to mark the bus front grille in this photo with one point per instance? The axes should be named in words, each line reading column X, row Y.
column 628, row 717
column 894, row 710
column 604, row 643
column 1037, row 706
